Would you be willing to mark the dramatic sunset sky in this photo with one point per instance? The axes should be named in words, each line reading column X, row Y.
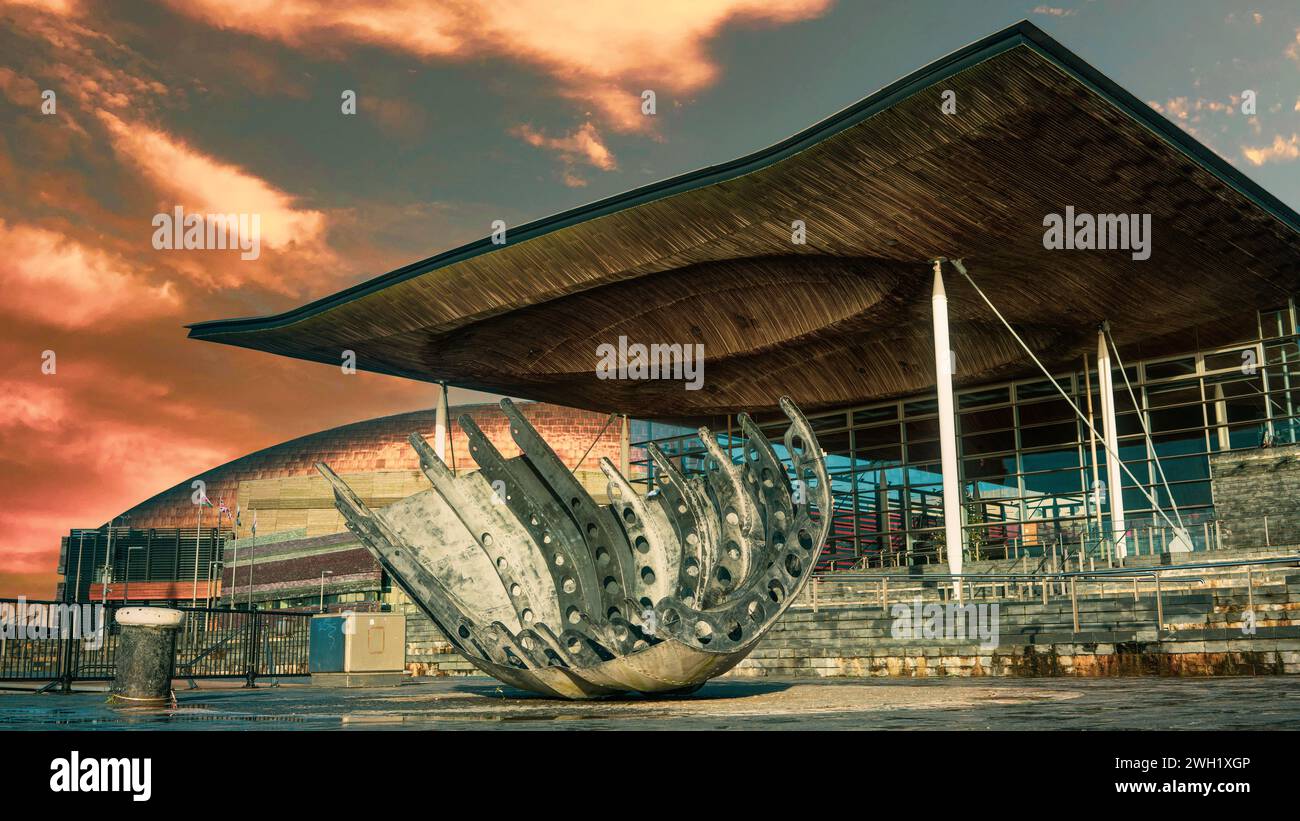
column 468, row 111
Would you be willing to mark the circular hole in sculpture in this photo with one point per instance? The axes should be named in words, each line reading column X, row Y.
column 792, row 565
column 703, row 632
column 569, row 584
column 647, row 576
column 723, row 576
column 775, row 591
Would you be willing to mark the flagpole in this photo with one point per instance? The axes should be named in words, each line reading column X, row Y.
column 234, row 566
column 198, row 534
column 251, row 559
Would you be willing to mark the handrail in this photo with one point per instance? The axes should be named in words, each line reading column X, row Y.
column 1042, row 578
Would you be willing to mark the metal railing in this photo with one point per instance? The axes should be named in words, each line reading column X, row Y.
column 1075, row 541
column 63, row 643
column 880, row 589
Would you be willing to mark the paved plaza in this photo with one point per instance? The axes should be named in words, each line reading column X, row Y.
column 1257, row 703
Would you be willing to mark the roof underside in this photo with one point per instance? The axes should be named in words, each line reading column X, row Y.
column 881, row 187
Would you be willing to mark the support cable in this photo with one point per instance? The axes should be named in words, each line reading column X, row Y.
column 608, row 422
column 1141, row 415
column 961, row 269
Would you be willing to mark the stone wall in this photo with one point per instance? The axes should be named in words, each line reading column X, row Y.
column 1250, row 485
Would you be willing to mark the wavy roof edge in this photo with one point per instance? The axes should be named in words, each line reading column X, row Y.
column 1022, row 33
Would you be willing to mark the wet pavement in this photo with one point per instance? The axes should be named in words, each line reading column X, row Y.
column 1260, row 703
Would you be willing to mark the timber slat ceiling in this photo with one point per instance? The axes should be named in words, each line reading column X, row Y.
column 845, row 318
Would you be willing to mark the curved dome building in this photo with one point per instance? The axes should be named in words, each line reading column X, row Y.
column 376, row 445
column 288, row 536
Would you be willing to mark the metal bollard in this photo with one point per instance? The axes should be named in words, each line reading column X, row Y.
column 146, row 657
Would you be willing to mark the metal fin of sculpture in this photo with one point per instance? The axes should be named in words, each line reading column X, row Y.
column 538, row 585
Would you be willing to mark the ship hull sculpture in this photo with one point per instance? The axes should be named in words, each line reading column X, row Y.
column 539, row 586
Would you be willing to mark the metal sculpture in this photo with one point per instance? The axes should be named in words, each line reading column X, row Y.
column 541, row 587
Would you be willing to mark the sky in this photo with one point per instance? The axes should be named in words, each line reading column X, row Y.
column 465, row 112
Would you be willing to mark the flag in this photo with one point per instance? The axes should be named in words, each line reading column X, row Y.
column 222, row 506
column 254, row 522
column 204, row 500
column 238, row 516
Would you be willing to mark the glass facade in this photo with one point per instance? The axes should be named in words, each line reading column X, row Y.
column 1026, row 459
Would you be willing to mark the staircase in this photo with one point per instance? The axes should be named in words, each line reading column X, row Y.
column 1202, row 635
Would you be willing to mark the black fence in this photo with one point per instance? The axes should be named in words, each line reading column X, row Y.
column 64, row 642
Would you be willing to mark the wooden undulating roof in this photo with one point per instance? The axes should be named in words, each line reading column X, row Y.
column 882, row 187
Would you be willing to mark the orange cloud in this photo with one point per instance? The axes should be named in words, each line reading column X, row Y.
column 59, row 7
column 60, row 281
column 584, row 145
column 602, row 55
column 206, row 185
column 1280, row 150
column 27, row 406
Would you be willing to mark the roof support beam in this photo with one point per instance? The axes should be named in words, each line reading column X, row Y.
column 1114, row 477
column 943, row 366
column 440, row 423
